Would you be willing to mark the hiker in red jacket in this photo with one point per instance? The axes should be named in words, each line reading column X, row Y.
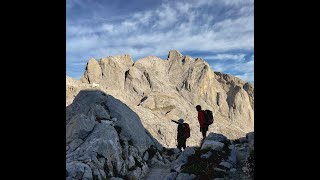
column 203, row 127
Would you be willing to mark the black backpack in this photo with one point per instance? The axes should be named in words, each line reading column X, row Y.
column 186, row 130
column 208, row 117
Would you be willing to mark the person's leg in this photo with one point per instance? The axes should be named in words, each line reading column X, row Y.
column 204, row 132
column 184, row 144
column 205, row 129
column 179, row 145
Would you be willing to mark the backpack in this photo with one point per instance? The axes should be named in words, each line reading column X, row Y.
column 186, row 130
column 208, row 117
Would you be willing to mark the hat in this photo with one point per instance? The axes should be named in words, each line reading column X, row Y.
column 180, row 120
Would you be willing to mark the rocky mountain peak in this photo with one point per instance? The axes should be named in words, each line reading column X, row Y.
column 174, row 55
column 93, row 72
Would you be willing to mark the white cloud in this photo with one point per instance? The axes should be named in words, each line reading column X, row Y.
column 82, row 43
column 245, row 67
column 143, row 17
column 225, row 35
column 166, row 16
column 237, row 57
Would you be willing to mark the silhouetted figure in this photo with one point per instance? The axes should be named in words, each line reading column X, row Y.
column 183, row 133
column 203, row 126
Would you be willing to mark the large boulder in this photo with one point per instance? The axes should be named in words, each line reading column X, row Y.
column 216, row 137
column 107, row 137
column 214, row 145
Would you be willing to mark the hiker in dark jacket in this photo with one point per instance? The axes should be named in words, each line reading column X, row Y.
column 181, row 135
column 203, row 126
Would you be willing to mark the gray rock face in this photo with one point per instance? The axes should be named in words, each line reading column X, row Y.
column 233, row 156
column 160, row 90
column 156, row 162
column 103, row 141
column 109, row 148
column 182, row 159
column 214, row 145
column 78, row 170
column 216, row 137
column 75, row 144
column 79, row 127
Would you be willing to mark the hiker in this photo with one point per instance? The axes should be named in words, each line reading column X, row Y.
column 203, row 126
column 183, row 133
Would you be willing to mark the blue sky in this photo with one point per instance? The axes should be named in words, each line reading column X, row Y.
column 219, row 31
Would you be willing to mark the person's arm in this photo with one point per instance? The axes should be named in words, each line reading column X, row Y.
column 175, row 121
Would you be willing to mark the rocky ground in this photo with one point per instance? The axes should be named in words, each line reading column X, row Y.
column 217, row 159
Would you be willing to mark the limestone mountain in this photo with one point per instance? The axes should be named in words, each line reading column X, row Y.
column 159, row 90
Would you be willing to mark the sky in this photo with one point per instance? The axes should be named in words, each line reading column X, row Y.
column 219, row 31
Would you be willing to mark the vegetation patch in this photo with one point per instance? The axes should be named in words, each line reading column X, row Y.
column 204, row 168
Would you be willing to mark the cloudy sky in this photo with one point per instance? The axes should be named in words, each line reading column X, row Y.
column 219, row 31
